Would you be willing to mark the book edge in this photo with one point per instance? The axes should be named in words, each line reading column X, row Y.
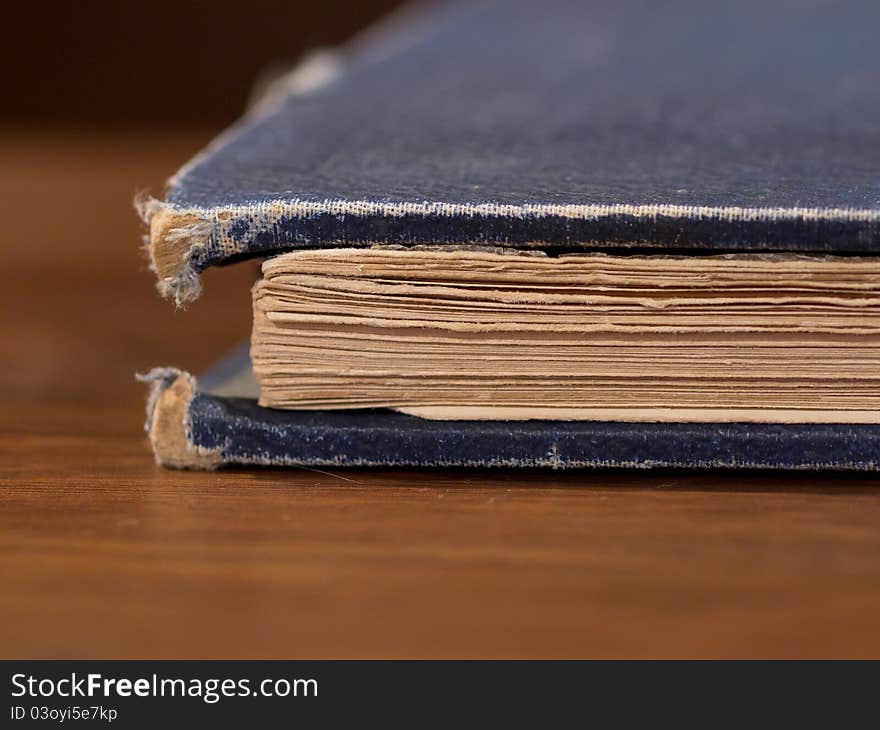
column 169, row 423
column 183, row 241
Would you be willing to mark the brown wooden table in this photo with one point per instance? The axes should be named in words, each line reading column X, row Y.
column 105, row 555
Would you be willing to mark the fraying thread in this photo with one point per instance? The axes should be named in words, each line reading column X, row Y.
column 159, row 379
column 146, row 206
column 185, row 286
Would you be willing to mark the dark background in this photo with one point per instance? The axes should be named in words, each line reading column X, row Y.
column 158, row 63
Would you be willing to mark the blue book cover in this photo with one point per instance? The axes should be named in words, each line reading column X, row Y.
column 623, row 127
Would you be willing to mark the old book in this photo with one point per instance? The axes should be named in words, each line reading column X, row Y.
column 552, row 234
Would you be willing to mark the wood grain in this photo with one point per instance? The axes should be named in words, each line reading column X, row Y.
column 102, row 554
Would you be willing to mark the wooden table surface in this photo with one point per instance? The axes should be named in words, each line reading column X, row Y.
column 105, row 555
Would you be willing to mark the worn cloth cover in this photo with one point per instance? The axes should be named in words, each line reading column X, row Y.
column 615, row 124
column 748, row 125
